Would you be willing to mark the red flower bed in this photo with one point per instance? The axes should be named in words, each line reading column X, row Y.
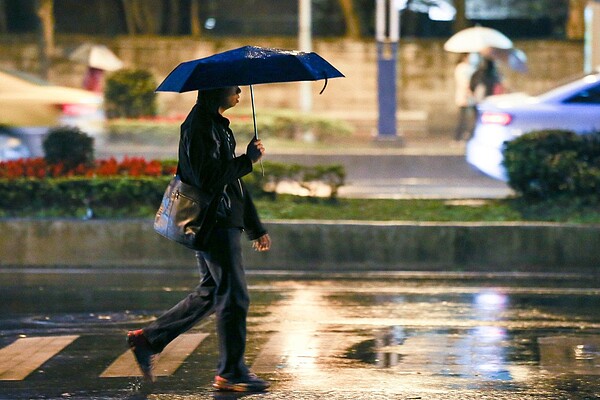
column 38, row 168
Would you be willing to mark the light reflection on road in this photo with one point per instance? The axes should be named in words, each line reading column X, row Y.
column 387, row 337
column 464, row 336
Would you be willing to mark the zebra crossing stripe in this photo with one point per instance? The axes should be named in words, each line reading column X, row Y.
column 276, row 354
column 166, row 363
column 25, row 355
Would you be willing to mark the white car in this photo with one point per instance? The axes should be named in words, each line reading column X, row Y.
column 574, row 106
column 30, row 107
column 12, row 148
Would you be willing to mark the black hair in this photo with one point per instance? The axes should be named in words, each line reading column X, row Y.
column 210, row 99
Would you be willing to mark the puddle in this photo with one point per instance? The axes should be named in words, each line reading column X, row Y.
column 90, row 319
column 578, row 355
column 482, row 352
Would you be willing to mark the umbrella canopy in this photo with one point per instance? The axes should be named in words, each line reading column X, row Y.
column 96, row 56
column 247, row 65
column 515, row 58
column 476, row 39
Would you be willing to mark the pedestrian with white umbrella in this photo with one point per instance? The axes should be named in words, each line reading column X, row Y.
column 476, row 39
column 489, row 43
column 98, row 59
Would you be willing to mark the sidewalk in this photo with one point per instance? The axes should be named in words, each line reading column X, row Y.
column 405, row 143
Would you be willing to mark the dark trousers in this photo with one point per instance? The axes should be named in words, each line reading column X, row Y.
column 222, row 290
column 466, row 122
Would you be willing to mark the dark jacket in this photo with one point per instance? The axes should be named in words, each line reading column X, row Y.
column 488, row 77
column 207, row 160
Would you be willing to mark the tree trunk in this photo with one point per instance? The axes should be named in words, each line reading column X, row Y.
column 576, row 23
column 460, row 20
column 143, row 16
column 45, row 13
column 174, row 17
column 3, row 21
column 351, row 18
column 129, row 17
column 195, row 18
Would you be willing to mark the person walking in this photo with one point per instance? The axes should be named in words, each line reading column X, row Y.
column 486, row 80
column 463, row 97
column 207, row 160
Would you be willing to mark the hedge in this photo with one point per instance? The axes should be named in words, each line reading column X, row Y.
column 73, row 196
column 130, row 188
column 130, row 93
column 554, row 163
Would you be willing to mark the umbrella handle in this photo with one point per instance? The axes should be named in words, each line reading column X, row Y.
column 253, row 112
column 254, row 120
column 324, row 86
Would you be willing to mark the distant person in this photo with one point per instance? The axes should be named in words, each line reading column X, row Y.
column 207, row 160
column 463, row 97
column 486, row 80
column 94, row 80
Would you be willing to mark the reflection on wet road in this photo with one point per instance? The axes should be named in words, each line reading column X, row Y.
column 429, row 336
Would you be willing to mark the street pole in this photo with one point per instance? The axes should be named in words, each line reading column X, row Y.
column 591, row 39
column 387, row 35
column 305, row 44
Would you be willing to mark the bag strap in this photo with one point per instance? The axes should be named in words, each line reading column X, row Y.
column 178, row 174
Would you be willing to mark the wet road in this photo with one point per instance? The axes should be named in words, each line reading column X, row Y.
column 376, row 336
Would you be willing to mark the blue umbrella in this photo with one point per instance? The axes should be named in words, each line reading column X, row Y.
column 248, row 65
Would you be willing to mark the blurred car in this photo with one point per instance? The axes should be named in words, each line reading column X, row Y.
column 30, row 107
column 12, row 148
column 574, row 106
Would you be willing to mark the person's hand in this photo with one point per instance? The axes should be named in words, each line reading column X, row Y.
column 263, row 243
column 255, row 150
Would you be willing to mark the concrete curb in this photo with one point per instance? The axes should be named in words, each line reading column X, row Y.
column 312, row 246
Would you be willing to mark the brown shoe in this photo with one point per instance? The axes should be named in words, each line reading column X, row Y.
column 144, row 355
column 249, row 383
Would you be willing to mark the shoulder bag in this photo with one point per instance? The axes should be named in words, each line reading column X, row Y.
column 187, row 215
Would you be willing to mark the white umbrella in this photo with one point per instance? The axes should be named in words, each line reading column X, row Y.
column 96, row 56
column 476, row 39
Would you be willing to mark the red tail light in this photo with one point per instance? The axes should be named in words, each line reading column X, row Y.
column 496, row 118
column 76, row 109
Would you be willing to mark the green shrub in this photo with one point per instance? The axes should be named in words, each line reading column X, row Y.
column 130, row 94
column 68, row 146
column 291, row 125
column 330, row 175
column 306, row 176
column 106, row 197
column 551, row 163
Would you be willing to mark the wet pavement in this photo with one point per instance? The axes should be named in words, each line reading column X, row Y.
column 361, row 336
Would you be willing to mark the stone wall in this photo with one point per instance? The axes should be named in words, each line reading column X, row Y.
column 425, row 70
column 311, row 246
